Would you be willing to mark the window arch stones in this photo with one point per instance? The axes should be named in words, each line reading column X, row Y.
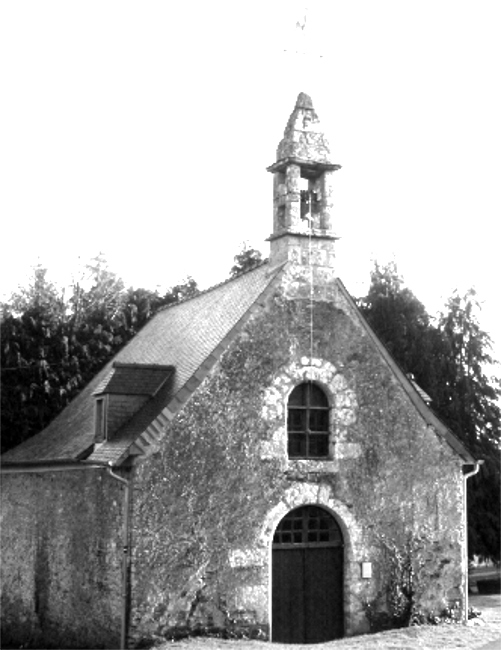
column 340, row 397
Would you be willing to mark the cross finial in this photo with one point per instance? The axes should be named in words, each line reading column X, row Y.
column 301, row 43
column 303, row 24
column 301, row 32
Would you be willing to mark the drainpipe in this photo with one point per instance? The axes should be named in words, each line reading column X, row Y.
column 43, row 468
column 126, row 557
column 466, row 476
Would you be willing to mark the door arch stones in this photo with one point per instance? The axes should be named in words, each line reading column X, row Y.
column 305, row 494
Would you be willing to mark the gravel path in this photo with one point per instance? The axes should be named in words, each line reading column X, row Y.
column 483, row 633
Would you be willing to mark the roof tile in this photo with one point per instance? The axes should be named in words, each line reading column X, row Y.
column 135, row 379
column 182, row 336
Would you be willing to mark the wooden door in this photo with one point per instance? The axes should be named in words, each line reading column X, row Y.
column 307, row 578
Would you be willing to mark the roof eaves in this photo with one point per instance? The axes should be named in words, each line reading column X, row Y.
column 46, row 466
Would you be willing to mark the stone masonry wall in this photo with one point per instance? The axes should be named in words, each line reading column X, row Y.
column 207, row 503
column 61, row 557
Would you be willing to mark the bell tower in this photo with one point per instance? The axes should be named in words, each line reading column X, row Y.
column 302, row 194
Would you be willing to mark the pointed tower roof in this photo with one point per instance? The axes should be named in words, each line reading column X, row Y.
column 304, row 142
column 303, row 192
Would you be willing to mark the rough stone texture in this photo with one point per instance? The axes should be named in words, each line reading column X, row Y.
column 207, row 503
column 303, row 136
column 67, row 528
column 216, row 481
column 303, row 167
column 343, row 412
column 312, row 265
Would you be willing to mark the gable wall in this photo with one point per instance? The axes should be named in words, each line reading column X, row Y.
column 206, row 504
column 61, row 557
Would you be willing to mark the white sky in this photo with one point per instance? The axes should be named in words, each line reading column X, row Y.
column 143, row 130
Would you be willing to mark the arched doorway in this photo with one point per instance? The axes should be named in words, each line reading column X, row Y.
column 307, row 577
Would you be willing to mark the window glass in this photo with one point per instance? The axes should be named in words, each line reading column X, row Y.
column 308, row 422
column 100, row 419
column 308, row 525
column 298, row 396
column 317, row 396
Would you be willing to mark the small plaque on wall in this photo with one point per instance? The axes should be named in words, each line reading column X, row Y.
column 366, row 570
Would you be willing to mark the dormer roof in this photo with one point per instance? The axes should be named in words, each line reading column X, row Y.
column 134, row 379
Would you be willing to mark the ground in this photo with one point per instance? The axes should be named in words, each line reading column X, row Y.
column 481, row 632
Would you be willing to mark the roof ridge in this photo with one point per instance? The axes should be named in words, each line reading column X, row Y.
column 213, row 287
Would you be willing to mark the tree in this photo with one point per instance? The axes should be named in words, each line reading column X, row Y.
column 52, row 346
column 470, row 402
column 449, row 360
column 139, row 307
column 402, row 323
column 36, row 365
column 186, row 289
column 245, row 260
column 96, row 324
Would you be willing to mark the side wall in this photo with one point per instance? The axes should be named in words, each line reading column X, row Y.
column 207, row 502
column 61, row 536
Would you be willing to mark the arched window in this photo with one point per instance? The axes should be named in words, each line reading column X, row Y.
column 308, row 422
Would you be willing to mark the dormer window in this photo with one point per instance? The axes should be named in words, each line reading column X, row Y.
column 308, row 422
column 101, row 418
column 124, row 391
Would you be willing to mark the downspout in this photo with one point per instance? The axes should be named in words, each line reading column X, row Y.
column 43, row 468
column 466, row 476
column 126, row 556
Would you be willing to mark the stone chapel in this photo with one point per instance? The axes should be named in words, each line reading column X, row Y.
column 252, row 463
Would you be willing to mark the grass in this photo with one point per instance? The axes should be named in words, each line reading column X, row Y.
column 477, row 633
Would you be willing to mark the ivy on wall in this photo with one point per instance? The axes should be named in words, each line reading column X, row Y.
column 207, row 491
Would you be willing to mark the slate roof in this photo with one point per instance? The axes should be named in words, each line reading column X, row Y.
column 134, row 379
column 426, row 398
column 172, row 354
column 188, row 336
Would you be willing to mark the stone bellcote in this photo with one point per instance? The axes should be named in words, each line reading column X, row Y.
column 302, row 192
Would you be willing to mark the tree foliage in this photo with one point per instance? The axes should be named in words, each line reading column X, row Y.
column 37, row 372
column 245, row 260
column 52, row 345
column 401, row 321
column 470, row 402
column 449, row 358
